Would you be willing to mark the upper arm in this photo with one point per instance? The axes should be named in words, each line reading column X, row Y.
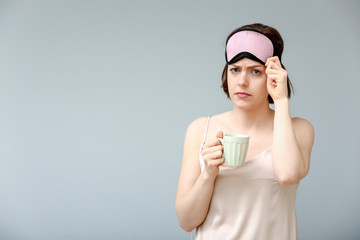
column 305, row 135
column 190, row 168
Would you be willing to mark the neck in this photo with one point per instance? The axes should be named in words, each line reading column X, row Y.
column 252, row 120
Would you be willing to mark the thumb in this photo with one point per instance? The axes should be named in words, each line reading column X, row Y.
column 219, row 134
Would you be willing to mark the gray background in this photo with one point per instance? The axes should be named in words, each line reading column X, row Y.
column 96, row 96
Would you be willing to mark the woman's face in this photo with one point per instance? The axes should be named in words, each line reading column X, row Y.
column 247, row 84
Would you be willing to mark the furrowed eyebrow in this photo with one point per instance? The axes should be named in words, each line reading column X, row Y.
column 250, row 66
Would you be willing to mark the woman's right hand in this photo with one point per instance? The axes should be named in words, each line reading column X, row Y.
column 212, row 154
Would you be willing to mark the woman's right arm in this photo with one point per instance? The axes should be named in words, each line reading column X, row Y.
column 195, row 188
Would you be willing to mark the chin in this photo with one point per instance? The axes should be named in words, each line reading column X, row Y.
column 243, row 105
column 246, row 105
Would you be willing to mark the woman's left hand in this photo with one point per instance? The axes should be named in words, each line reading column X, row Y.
column 276, row 79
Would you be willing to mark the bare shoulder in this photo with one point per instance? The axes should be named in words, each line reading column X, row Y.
column 198, row 122
column 197, row 125
column 302, row 125
column 304, row 130
column 196, row 129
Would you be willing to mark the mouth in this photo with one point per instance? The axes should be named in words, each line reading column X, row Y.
column 242, row 94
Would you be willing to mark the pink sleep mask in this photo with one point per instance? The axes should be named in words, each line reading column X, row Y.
column 250, row 44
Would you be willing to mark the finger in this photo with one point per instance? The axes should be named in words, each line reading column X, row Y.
column 217, row 154
column 277, row 61
column 216, row 163
column 272, row 71
column 272, row 83
column 270, row 59
column 272, row 77
column 277, row 75
column 212, row 149
column 216, row 148
column 219, row 134
column 274, row 59
column 269, row 65
column 276, row 70
column 212, row 142
column 213, row 156
column 273, row 65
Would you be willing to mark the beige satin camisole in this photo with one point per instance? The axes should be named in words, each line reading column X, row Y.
column 249, row 203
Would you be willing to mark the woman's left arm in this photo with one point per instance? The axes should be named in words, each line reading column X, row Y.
column 293, row 138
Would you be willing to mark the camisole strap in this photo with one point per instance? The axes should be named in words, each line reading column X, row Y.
column 205, row 134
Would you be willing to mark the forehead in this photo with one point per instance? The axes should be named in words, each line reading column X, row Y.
column 247, row 63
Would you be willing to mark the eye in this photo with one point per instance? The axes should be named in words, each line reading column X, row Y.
column 234, row 70
column 256, row 72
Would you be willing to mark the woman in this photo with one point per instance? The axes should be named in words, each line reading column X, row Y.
column 256, row 200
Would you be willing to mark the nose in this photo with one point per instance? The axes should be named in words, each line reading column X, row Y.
column 243, row 79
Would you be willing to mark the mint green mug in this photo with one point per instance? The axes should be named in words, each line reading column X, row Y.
column 235, row 149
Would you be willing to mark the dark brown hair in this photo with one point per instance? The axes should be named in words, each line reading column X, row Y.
column 278, row 44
